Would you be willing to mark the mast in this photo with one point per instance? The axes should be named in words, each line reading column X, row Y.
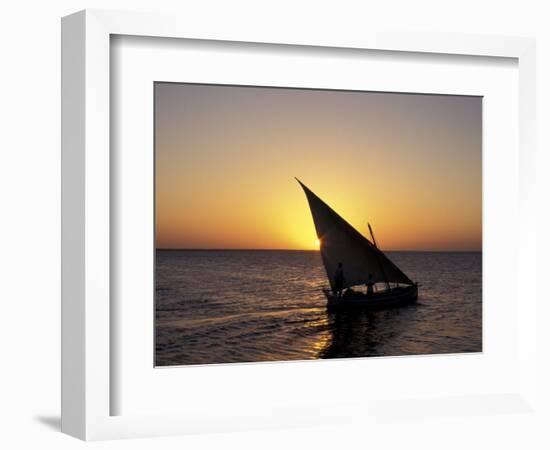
column 380, row 262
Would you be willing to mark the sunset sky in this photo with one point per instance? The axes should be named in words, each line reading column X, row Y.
column 226, row 158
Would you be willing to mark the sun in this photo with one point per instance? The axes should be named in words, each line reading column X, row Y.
column 317, row 243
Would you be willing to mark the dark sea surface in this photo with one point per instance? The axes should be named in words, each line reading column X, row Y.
column 267, row 305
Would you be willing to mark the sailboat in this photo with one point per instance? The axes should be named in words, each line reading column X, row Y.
column 351, row 261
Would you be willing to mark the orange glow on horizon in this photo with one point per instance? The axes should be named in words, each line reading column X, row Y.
column 225, row 167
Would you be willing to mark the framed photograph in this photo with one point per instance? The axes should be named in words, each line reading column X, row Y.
column 242, row 273
column 254, row 216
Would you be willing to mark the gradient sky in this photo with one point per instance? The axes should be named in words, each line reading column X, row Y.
column 226, row 158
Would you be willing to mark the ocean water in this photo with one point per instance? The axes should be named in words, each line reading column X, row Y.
column 244, row 306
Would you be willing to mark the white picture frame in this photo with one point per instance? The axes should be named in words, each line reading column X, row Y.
column 87, row 357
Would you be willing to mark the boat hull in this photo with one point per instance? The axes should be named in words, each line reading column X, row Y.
column 393, row 298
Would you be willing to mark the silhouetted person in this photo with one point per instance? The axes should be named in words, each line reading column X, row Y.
column 370, row 285
column 339, row 280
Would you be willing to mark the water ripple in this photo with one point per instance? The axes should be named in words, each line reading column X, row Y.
column 243, row 306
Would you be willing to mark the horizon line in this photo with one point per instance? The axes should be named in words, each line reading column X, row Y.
column 183, row 249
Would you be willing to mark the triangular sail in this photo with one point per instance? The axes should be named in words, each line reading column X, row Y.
column 340, row 242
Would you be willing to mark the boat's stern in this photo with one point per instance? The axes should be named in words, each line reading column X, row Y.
column 331, row 298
